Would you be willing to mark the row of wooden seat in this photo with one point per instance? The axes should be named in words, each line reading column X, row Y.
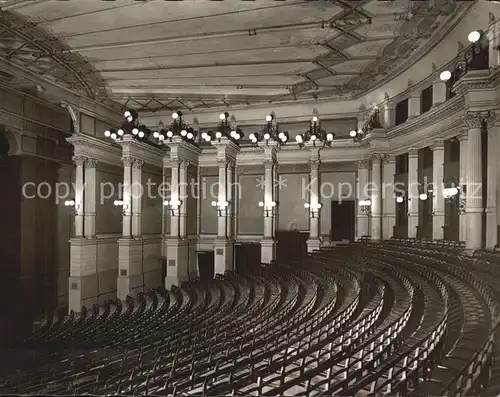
column 402, row 317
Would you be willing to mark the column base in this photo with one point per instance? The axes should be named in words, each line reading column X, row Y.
column 268, row 250
column 438, row 226
column 83, row 281
column 462, row 233
column 313, row 244
column 389, row 221
column 376, row 232
column 474, row 229
column 412, row 225
column 130, row 279
column 491, row 229
column 177, row 251
column 223, row 258
column 362, row 229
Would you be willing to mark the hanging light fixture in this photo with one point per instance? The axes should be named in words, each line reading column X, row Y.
column 225, row 129
column 130, row 126
column 270, row 132
column 177, row 128
column 315, row 135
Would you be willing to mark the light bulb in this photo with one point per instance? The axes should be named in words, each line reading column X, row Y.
column 399, row 199
column 183, row 133
column 252, row 136
column 226, row 203
column 237, row 136
column 161, row 137
column 189, row 135
column 127, row 114
column 166, row 202
column 203, row 135
column 306, row 205
column 218, row 134
column 313, row 137
column 329, row 137
column 267, row 136
column 474, row 36
column 254, row 140
column 113, row 136
column 175, row 115
column 353, row 133
column 107, row 133
column 284, row 138
column 222, row 116
column 445, row 75
column 261, row 204
column 116, row 203
column 233, row 133
column 273, row 203
column 207, row 138
column 423, row 196
column 141, row 134
column 121, row 132
column 269, row 118
column 130, row 119
column 214, row 203
column 315, row 119
column 156, row 134
column 368, row 202
column 66, row 203
column 135, row 131
column 170, row 134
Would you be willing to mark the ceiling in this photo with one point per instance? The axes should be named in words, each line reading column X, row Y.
column 194, row 54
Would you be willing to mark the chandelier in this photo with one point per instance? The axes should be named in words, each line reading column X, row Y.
column 225, row 129
column 270, row 132
column 372, row 123
column 177, row 128
column 130, row 126
column 315, row 134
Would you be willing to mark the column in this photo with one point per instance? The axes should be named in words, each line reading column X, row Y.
column 493, row 123
column 137, row 191
column 474, row 192
column 83, row 280
column 130, row 279
column 221, row 197
column 314, row 242
column 438, row 91
column 362, row 227
column 437, row 194
column 183, row 193
column 388, row 198
column 463, row 168
column 414, row 105
column 389, row 114
column 230, row 193
column 376, row 198
column 177, row 246
column 413, row 192
column 79, row 192
column 268, row 243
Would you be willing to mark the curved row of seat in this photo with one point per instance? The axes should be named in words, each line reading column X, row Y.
column 390, row 318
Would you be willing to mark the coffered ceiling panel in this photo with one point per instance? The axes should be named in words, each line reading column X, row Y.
column 161, row 54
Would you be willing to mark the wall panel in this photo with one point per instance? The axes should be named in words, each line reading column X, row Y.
column 109, row 183
column 250, row 218
column 151, row 203
column 208, row 194
column 292, row 196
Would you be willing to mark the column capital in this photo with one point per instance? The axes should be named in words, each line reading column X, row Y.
column 474, row 119
column 128, row 161
column 388, row 158
column 231, row 164
column 138, row 164
column 462, row 136
column 492, row 119
column 268, row 164
column 184, row 164
column 90, row 163
column 438, row 144
column 314, row 164
column 222, row 163
column 413, row 152
column 79, row 160
column 364, row 164
column 376, row 157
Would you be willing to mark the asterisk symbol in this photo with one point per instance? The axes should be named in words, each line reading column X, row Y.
column 261, row 183
column 280, row 182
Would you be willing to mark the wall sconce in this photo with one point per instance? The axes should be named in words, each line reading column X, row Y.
column 313, row 209
column 121, row 203
column 453, row 194
column 400, row 199
column 268, row 208
column 173, row 206
column 365, row 206
column 72, row 203
column 221, row 207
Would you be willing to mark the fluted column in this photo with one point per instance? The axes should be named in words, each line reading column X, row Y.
column 222, row 197
column 376, row 198
column 79, row 196
column 137, row 192
column 413, row 192
column 314, row 243
column 493, row 124
column 437, row 196
column 174, row 196
column 389, row 200
column 127, row 197
column 474, row 209
column 463, row 168
column 362, row 227
column 229, row 198
column 268, row 197
column 183, row 184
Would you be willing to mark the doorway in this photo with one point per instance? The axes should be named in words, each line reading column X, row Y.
column 342, row 220
column 206, row 262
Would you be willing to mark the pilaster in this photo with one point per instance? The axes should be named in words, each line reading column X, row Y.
column 376, row 197
column 362, row 227
column 90, row 197
column 493, row 125
column 389, row 201
column 414, row 109
column 314, row 242
column 437, row 196
column 413, row 192
column 463, row 168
